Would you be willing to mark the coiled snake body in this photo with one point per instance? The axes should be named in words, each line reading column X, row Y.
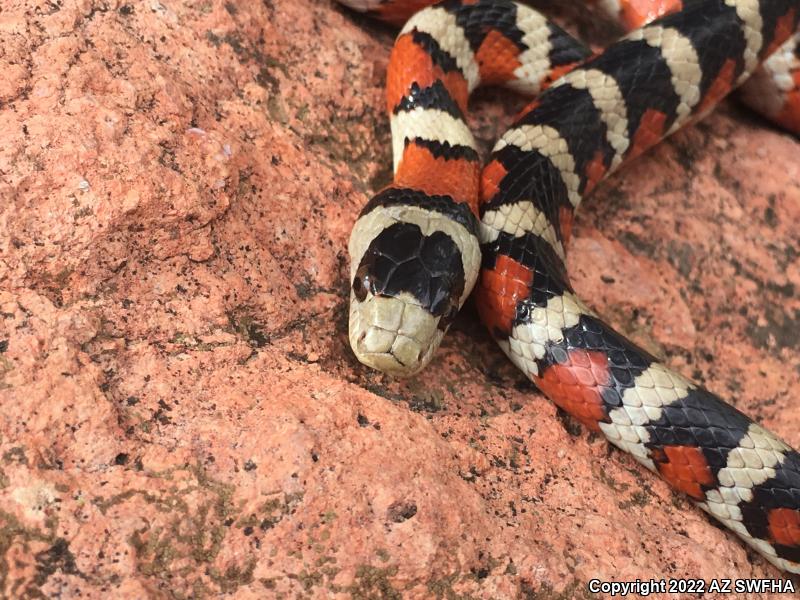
column 418, row 247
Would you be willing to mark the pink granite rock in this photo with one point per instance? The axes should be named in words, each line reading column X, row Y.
column 181, row 414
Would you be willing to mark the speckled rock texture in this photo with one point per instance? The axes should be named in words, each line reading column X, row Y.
column 181, row 414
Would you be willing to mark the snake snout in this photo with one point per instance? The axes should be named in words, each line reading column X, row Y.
column 392, row 334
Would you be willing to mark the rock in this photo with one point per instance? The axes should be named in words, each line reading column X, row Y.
column 182, row 415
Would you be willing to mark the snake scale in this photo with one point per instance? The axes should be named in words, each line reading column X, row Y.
column 446, row 225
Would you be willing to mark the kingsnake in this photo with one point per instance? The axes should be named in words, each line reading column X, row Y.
column 417, row 247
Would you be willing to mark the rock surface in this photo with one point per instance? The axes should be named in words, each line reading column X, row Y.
column 181, row 414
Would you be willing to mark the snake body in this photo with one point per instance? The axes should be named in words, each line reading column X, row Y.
column 418, row 247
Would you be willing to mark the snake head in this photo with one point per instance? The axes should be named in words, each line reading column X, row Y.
column 408, row 282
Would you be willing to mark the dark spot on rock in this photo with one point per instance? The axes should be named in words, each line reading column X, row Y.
column 401, row 511
column 132, row 401
column 248, row 530
column 15, row 454
column 56, row 558
column 304, row 289
column 125, row 10
column 121, row 459
column 786, row 289
column 524, row 385
column 428, row 401
column 779, row 331
column 362, row 420
column 3, row 345
column 770, row 217
column 250, row 465
column 162, row 417
column 267, row 524
column 213, row 38
column 570, row 425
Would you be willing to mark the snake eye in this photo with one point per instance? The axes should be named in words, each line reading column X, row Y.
column 360, row 284
column 359, row 289
column 448, row 317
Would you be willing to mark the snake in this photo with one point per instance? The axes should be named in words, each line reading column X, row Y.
column 446, row 225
